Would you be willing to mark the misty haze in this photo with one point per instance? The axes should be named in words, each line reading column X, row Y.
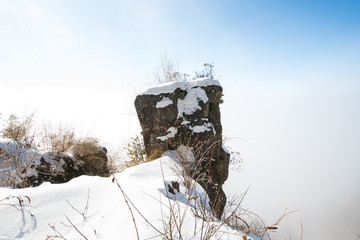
column 180, row 119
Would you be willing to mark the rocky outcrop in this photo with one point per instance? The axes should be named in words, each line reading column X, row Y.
column 187, row 113
column 54, row 167
column 93, row 157
column 21, row 166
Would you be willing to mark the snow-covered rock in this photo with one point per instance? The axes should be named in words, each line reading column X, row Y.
column 21, row 166
column 55, row 167
column 187, row 113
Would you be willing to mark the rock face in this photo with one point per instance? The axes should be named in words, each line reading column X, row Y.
column 187, row 113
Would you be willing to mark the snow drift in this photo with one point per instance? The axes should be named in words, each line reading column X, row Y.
column 95, row 207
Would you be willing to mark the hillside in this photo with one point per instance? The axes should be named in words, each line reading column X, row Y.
column 96, row 208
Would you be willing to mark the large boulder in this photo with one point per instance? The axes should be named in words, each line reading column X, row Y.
column 187, row 113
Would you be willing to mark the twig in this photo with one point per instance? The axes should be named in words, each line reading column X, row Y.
column 137, row 210
column 128, row 205
column 21, row 204
column 233, row 212
column 247, row 225
column 273, row 226
column 57, row 232
column 76, row 228
column 86, row 209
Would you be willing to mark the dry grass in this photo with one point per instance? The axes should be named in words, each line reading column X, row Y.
column 92, row 155
column 21, row 130
column 114, row 161
column 167, row 70
column 58, row 138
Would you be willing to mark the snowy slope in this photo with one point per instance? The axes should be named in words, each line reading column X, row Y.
column 107, row 216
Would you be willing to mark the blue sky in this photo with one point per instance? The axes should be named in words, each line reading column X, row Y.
column 255, row 41
column 290, row 72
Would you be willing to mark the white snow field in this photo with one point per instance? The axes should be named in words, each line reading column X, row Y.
column 96, row 208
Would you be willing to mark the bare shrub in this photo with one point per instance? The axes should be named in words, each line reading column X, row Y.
column 58, row 235
column 208, row 71
column 244, row 220
column 16, row 161
column 19, row 153
column 236, row 159
column 168, row 71
column 114, row 161
column 173, row 214
column 205, row 225
column 193, row 157
column 202, row 167
column 20, row 130
column 190, row 168
column 58, row 138
column 186, row 166
column 92, row 155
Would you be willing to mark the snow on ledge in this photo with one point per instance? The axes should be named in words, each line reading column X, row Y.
column 171, row 133
column 170, row 87
column 164, row 102
column 203, row 128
